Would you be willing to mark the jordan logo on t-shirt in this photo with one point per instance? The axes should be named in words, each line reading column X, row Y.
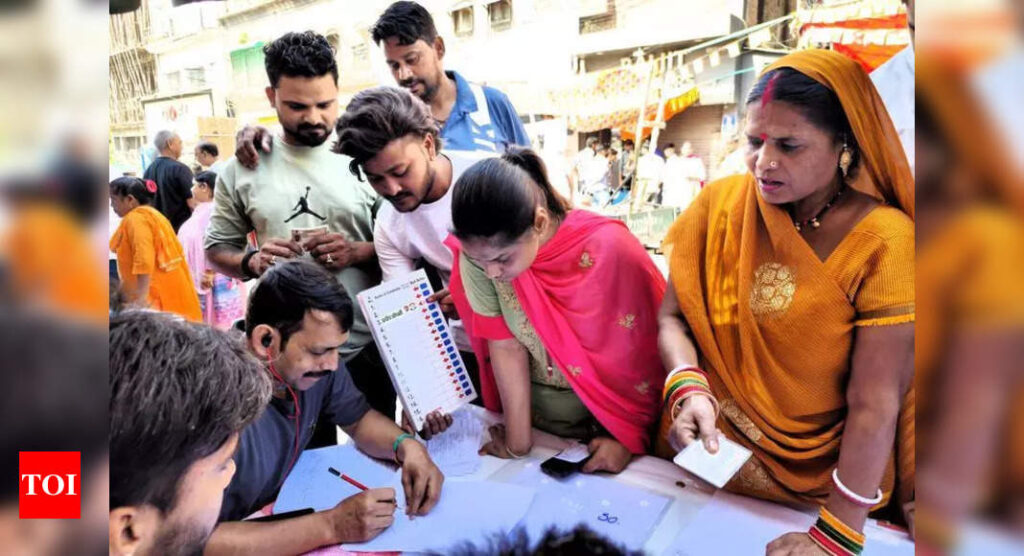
column 303, row 208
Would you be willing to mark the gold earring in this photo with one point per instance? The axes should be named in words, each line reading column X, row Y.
column 845, row 159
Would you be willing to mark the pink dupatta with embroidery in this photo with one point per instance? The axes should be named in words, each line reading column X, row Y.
column 592, row 295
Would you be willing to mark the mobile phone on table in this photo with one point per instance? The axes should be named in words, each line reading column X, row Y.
column 566, row 462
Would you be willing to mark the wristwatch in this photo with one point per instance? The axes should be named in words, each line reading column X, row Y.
column 246, row 271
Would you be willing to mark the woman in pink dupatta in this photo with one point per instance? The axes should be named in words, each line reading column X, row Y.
column 221, row 298
column 562, row 308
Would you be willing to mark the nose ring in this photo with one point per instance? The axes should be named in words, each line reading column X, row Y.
column 773, row 165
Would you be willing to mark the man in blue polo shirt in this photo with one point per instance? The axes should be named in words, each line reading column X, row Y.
column 297, row 317
column 471, row 117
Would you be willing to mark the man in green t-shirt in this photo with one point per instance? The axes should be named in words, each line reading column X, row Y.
column 302, row 201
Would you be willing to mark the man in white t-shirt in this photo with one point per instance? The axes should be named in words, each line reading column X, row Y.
column 590, row 169
column 393, row 141
column 683, row 177
column 649, row 169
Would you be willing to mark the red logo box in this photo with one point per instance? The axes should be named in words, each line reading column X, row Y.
column 49, row 485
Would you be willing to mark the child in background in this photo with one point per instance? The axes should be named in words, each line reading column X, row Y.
column 220, row 297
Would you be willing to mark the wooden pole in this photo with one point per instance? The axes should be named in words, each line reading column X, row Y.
column 638, row 138
column 659, row 117
column 638, row 200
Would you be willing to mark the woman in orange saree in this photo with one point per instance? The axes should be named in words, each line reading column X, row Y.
column 150, row 260
column 789, row 320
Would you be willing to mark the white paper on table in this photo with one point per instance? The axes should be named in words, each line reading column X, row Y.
column 311, row 485
column 625, row 514
column 734, row 524
column 468, row 511
column 456, row 451
column 476, row 512
column 715, row 468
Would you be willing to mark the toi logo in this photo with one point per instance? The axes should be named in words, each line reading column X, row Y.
column 49, row 485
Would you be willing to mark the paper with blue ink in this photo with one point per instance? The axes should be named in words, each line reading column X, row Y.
column 456, row 450
column 413, row 338
column 624, row 514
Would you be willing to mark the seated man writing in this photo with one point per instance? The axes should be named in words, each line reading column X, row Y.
column 298, row 316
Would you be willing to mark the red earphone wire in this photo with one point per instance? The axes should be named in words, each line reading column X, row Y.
column 297, row 417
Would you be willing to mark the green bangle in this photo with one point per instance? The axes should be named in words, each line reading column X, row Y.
column 394, row 447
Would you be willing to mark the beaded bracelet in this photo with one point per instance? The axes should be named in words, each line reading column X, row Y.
column 834, row 536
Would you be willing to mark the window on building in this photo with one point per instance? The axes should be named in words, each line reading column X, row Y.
column 360, row 52
column 173, row 80
column 602, row 21
column 463, row 21
column 196, row 77
column 247, row 66
column 500, row 13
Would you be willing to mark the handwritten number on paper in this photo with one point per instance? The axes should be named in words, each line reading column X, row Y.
column 608, row 518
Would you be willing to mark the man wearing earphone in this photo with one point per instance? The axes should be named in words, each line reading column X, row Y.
column 298, row 316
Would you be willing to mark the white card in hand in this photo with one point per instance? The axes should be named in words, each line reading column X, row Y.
column 715, row 468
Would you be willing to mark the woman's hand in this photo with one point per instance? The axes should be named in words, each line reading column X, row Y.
column 607, row 454
column 696, row 420
column 794, row 544
column 498, row 446
column 445, row 302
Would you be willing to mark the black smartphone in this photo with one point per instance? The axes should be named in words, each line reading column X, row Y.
column 559, row 468
column 566, row 462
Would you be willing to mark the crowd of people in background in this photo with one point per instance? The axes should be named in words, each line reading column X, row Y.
column 670, row 176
